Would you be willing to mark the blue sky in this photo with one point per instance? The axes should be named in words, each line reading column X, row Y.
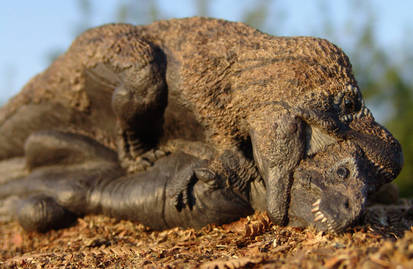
column 31, row 30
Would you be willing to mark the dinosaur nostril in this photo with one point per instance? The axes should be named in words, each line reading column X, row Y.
column 347, row 204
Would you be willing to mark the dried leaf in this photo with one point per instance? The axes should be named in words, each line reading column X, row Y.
column 380, row 262
column 335, row 261
column 99, row 241
column 236, row 226
column 231, row 264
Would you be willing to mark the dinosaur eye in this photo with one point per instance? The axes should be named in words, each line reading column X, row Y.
column 348, row 105
column 351, row 105
column 342, row 172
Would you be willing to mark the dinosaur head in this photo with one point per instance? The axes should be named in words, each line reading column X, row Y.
column 325, row 95
column 354, row 122
column 329, row 190
column 345, row 117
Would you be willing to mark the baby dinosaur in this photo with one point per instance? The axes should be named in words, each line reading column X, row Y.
column 328, row 190
column 204, row 87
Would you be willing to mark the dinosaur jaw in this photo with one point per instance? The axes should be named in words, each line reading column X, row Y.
column 380, row 148
column 334, row 213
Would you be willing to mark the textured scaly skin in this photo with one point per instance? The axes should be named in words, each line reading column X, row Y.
column 274, row 100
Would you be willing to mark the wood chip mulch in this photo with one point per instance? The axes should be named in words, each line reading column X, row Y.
column 385, row 240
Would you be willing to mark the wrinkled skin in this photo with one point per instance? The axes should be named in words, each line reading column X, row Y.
column 209, row 88
column 53, row 196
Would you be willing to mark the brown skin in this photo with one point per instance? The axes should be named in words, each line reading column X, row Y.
column 274, row 100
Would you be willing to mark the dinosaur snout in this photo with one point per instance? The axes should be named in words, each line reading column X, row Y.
column 336, row 211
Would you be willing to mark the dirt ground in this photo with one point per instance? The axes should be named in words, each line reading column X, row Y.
column 384, row 240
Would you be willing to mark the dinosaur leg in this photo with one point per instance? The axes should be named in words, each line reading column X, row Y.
column 179, row 190
column 65, row 168
column 52, row 196
column 212, row 188
column 28, row 118
column 67, row 182
column 120, row 59
column 139, row 102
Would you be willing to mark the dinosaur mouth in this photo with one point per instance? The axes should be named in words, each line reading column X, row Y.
column 319, row 216
column 325, row 222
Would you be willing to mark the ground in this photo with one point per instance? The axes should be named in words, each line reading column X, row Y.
column 385, row 240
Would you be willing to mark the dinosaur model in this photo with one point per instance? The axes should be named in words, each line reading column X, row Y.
column 215, row 91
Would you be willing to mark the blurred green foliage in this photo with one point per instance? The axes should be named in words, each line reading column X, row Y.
column 383, row 79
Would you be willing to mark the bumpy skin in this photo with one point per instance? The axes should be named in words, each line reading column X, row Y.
column 210, row 88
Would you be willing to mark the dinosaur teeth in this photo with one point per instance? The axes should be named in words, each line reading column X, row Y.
column 318, row 215
column 330, row 227
column 347, row 118
column 359, row 114
column 317, row 203
column 318, row 218
column 366, row 111
column 353, row 89
column 315, row 209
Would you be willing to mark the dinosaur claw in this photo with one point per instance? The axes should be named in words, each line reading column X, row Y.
column 319, row 216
